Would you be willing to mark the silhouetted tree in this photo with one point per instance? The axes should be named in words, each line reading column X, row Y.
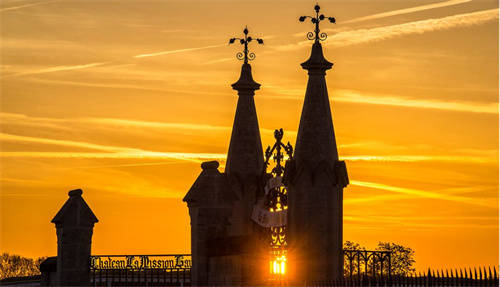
column 16, row 266
column 402, row 258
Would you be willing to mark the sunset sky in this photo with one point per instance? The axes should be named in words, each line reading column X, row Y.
column 125, row 99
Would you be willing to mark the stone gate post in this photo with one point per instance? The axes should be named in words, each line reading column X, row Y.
column 74, row 224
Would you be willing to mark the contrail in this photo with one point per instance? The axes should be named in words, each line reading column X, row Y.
column 176, row 51
column 408, row 10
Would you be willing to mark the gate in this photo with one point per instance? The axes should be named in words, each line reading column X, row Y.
column 141, row 270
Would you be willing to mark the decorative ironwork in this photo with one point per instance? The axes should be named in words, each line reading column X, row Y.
column 246, row 55
column 277, row 200
column 316, row 35
column 141, row 270
column 367, row 263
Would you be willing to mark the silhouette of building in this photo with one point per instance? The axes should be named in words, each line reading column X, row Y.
column 225, row 244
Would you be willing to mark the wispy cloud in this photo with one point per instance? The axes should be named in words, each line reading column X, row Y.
column 56, row 69
column 64, row 123
column 426, row 194
column 426, row 222
column 474, row 107
column 408, row 10
column 176, row 51
column 24, row 6
column 130, row 154
column 120, row 152
column 109, row 151
column 422, row 158
column 368, row 35
column 150, row 124
column 373, row 199
column 352, row 96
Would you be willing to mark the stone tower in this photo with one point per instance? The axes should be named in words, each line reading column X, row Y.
column 317, row 182
column 223, row 236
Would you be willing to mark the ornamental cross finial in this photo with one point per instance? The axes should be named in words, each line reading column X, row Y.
column 245, row 55
column 316, row 36
column 279, row 156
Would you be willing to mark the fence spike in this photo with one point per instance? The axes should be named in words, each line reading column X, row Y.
column 489, row 272
column 495, row 273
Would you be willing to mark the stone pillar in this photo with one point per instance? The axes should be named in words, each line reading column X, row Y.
column 210, row 203
column 74, row 224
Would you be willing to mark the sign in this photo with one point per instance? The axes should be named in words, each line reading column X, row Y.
column 139, row 262
column 261, row 213
column 266, row 218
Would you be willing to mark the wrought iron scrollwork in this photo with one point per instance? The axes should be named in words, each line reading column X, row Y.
column 317, row 35
column 246, row 55
column 277, row 200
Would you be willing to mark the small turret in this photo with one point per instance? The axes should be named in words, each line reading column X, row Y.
column 74, row 224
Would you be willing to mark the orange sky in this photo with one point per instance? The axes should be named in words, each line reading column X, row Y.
column 124, row 99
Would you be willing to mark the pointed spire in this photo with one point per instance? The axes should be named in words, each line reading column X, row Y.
column 245, row 156
column 316, row 137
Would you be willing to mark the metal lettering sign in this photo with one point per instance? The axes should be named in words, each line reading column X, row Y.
column 140, row 262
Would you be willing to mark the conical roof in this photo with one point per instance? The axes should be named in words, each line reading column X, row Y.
column 75, row 212
column 245, row 156
column 316, row 137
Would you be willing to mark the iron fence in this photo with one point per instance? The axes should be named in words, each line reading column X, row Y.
column 480, row 277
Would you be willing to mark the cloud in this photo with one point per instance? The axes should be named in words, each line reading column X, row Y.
column 114, row 152
column 360, row 36
column 352, row 96
column 356, row 97
column 176, row 51
column 470, row 156
column 64, row 123
column 368, row 35
column 422, row 158
column 24, row 6
column 392, row 197
column 408, row 10
column 426, row 194
column 435, row 222
column 56, row 69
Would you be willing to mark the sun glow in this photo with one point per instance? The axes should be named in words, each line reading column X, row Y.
column 278, row 265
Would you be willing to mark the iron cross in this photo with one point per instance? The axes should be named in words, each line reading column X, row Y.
column 246, row 55
column 316, row 36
